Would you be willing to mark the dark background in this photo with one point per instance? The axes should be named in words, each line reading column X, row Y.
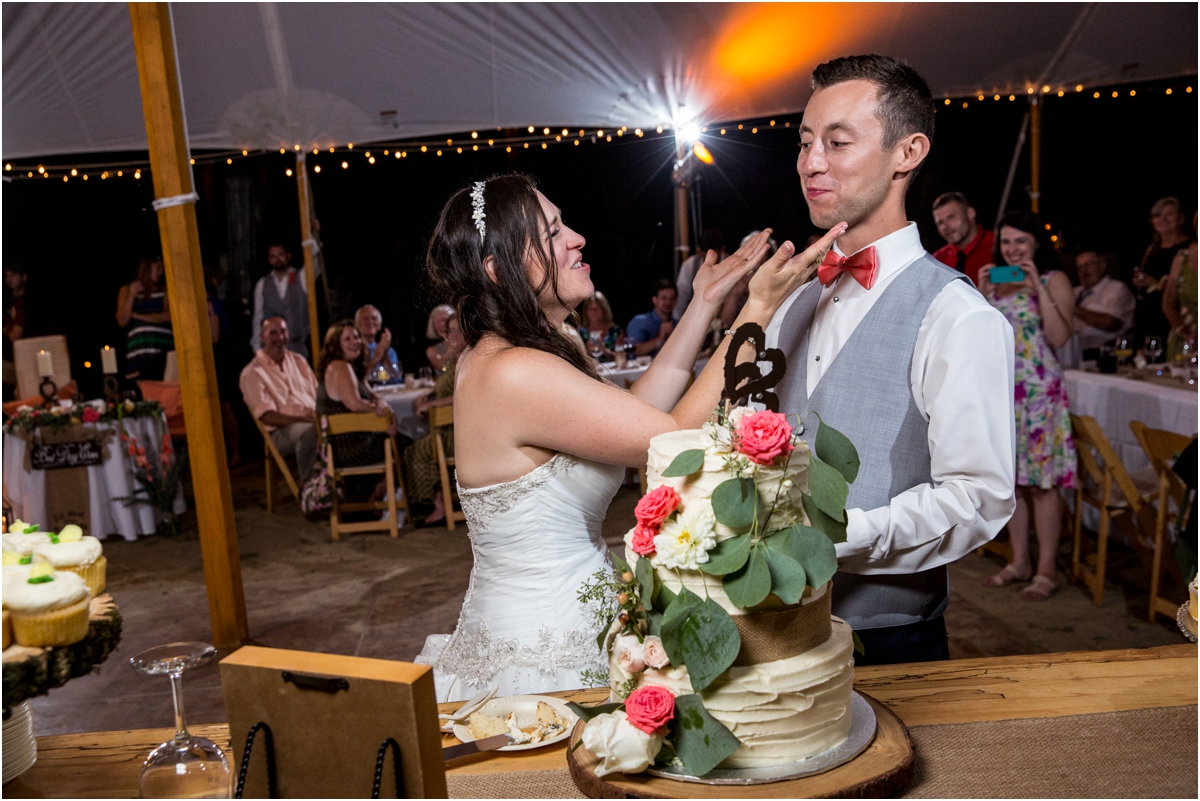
column 1105, row 162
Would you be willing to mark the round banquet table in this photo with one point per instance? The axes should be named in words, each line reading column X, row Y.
column 626, row 376
column 25, row 489
column 403, row 403
column 1114, row 401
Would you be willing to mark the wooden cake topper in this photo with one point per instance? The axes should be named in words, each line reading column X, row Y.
column 757, row 386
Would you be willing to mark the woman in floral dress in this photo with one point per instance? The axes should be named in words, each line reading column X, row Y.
column 1041, row 310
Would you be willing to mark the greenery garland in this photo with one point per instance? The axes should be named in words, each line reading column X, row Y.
column 57, row 418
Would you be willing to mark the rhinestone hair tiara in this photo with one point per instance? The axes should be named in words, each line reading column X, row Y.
column 478, row 215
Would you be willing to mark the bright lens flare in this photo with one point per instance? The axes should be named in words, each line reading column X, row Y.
column 688, row 133
column 702, row 153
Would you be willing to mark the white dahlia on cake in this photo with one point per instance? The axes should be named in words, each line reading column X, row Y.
column 724, row 600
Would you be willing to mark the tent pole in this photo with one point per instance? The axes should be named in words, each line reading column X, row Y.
column 166, row 135
column 309, row 245
column 681, row 177
column 1035, row 153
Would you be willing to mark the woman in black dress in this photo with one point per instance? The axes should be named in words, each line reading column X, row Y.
column 1170, row 236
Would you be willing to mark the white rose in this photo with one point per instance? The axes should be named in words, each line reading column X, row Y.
column 24, row 407
column 685, row 541
column 621, row 747
column 629, row 654
column 654, row 654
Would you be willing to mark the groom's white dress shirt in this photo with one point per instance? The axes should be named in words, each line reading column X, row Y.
column 962, row 383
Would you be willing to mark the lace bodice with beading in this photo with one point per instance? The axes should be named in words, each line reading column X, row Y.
column 535, row 541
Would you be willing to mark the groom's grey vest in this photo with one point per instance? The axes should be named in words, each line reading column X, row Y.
column 866, row 393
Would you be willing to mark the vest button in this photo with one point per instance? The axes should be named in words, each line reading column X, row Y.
column 818, row 358
column 836, row 298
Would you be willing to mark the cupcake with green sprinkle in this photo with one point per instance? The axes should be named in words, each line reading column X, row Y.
column 49, row 607
column 69, row 550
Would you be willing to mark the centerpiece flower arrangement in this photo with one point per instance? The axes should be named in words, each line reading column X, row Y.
column 759, row 535
column 57, row 418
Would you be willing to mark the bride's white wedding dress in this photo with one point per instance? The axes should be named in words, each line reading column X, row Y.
column 535, row 541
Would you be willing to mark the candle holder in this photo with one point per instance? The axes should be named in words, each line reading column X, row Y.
column 112, row 389
column 49, row 392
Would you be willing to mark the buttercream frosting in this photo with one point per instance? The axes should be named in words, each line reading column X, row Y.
column 21, row 596
column 24, row 544
column 71, row 554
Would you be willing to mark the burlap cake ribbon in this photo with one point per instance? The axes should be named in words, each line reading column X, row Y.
column 769, row 636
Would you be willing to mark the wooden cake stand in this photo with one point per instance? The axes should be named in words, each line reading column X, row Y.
column 878, row 772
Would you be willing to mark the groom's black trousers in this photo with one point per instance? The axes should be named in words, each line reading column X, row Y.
column 924, row 641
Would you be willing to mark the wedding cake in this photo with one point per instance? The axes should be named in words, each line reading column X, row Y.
column 723, row 653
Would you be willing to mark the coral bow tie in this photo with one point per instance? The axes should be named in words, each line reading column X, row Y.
column 863, row 266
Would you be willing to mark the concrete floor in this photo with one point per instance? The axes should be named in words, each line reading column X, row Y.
column 372, row 596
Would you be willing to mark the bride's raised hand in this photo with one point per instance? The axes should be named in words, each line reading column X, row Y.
column 714, row 280
column 783, row 273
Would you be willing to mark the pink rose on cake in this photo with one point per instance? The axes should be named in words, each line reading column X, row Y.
column 686, row 539
column 629, row 654
column 642, row 541
column 650, row 708
column 764, row 436
column 656, row 506
column 654, row 654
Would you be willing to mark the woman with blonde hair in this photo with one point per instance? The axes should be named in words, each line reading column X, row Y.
column 436, row 329
column 598, row 331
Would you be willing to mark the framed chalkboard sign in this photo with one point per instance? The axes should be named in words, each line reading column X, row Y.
column 52, row 456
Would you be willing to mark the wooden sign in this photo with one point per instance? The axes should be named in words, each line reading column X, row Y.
column 330, row 718
column 52, row 456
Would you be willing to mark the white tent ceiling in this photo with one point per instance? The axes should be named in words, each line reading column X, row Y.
column 259, row 75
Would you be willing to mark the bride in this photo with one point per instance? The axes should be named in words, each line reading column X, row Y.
column 541, row 441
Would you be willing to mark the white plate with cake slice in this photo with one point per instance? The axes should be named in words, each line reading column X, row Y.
column 532, row 721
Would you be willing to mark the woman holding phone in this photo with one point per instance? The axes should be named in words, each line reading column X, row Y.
column 1039, row 303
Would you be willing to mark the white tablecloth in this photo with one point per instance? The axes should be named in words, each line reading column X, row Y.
column 1115, row 401
column 630, row 374
column 112, row 478
column 403, row 402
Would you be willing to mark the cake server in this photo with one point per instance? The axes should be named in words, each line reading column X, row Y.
column 475, row 746
column 470, row 706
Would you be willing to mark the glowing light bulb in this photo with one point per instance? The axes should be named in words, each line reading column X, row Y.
column 508, row 149
column 1061, row 93
column 246, row 153
column 8, row 167
column 545, row 131
column 74, row 172
column 397, row 154
column 282, row 150
column 474, row 134
column 345, row 165
column 228, row 161
column 424, row 149
column 1079, row 88
column 658, row 129
column 947, row 101
column 288, row 172
column 531, row 129
column 371, row 160
column 997, row 97
column 543, row 145
column 317, row 168
column 349, row 145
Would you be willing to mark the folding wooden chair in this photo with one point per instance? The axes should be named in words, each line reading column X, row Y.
column 440, row 417
column 1117, row 497
column 273, row 455
column 390, row 467
column 1162, row 448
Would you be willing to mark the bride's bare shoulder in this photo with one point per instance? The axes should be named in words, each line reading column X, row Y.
column 495, row 363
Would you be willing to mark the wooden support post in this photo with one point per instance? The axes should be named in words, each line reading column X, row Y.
column 1035, row 154
column 166, row 134
column 308, row 241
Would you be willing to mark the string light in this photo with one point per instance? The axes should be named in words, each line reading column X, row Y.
column 397, row 154
column 288, row 172
column 345, row 165
column 964, row 104
column 424, row 149
column 449, row 141
column 120, row 173
column 282, row 151
column 367, row 154
column 246, row 153
column 722, row 132
column 608, row 138
column 1045, row 89
column 772, row 124
column 87, row 365
column 331, row 150
column 491, row 142
column 564, row 132
column 315, row 151
column 41, row 168
column 947, row 101
column 508, row 149
column 658, row 129
column 371, row 160
column 191, row 161
column 1189, row 90
column 460, row 150
column 531, row 129
column 65, row 179
column 1012, row 98
column 8, row 167
column 227, row 161
column 981, row 97
column 74, row 172
column 1097, row 94
column 1060, row 92
column 545, row 131
column 439, row 152
column 1168, row 90
column 739, row 126
column 753, row 130
column 1079, row 88
column 317, row 168
column 1115, row 94
column 137, row 174
column 1029, row 90
column 474, row 147
column 474, row 134
column 543, row 145
column 385, row 152
column 599, row 133
column 349, row 145
column 576, row 143
column 526, row 145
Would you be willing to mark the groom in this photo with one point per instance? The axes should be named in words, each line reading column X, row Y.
column 902, row 355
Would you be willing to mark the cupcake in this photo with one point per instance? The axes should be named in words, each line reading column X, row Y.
column 7, row 628
column 70, row 551
column 23, row 537
column 48, row 607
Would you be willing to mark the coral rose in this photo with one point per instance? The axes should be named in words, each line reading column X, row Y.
column 764, row 436
column 90, row 415
column 642, row 542
column 649, row 708
column 657, row 505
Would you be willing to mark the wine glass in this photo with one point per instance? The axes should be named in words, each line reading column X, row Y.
column 1154, row 347
column 185, row 766
column 425, row 374
column 1123, row 350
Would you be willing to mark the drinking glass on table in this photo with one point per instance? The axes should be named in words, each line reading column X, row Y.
column 425, row 375
column 1123, row 350
column 1154, row 347
column 185, row 766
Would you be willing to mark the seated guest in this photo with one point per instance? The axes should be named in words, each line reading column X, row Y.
column 1103, row 306
column 598, row 331
column 435, row 329
column 709, row 240
column 378, row 341
column 1179, row 299
column 968, row 244
column 281, row 391
column 649, row 331
column 420, row 459
column 143, row 310
column 342, row 367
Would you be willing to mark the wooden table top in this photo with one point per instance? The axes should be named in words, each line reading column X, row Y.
column 106, row 764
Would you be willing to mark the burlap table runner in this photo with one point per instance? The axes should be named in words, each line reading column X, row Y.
column 1145, row 753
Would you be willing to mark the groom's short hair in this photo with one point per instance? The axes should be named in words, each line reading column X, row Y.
column 905, row 102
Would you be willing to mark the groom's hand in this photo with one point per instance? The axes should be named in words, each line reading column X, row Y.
column 784, row 273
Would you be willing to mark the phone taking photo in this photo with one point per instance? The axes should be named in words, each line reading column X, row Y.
column 1006, row 275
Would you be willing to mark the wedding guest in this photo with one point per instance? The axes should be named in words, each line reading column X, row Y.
column 285, row 296
column 142, row 309
column 1041, row 310
column 1103, row 305
column 378, row 341
column 436, row 330
column 598, row 331
column 223, row 361
column 709, row 240
column 1170, row 236
column 649, row 331
column 280, row 390
column 1179, row 299
column 737, row 296
column 342, row 367
column 968, row 244
column 422, row 477
column 898, row 352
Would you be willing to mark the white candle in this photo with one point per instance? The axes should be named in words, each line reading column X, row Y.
column 108, row 359
column 45, row 365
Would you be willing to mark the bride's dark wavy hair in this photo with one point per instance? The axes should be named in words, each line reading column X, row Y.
column 508, row 306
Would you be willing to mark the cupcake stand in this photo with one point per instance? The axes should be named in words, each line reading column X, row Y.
column 878, row 766
column 30, row 672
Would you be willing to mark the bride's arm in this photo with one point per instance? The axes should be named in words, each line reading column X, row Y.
column 536, row 400
column 664, row 382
